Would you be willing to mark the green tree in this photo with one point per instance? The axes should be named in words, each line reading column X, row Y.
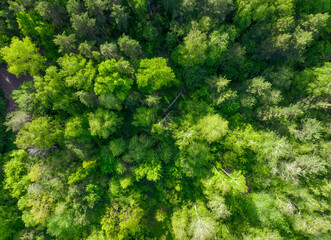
column 83, row 26
column 32, row 25
column 110, row 80
column 42, row 133
column 22, row 57
column 76, row 127
column 211, row 128
column 77, row 72
column 74, row 7
column 17, row 180
column 315, row 81
column 52, row 11
column 120, row 15
column 193, row 52
column 129, row 47
column 120, row 220
column 217, row 44
column 16, row 120
column 23, row 96
column 154, row 74
column 66, row 43
column 218, row 9
column 144, row 117
column 103, row 123
column 63, row 226
column 86, row 49
column 223, row 183
column 193, row 222
column 51, row 93
column 109, row 50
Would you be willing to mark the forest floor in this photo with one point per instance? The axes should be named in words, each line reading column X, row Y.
column 8, row 83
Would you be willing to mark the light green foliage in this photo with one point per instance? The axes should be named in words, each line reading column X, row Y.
column 63, row 226
column 144, row 117
column 51, row 92
column 109, row 50
column 267, row 213
column 32, row 25
column 219, row 90
column 117, row 146
column 259, row 86
column 76, row 127
column 309, row 28
column 315, row 81
column 73, row 7
column 194, row 50
column 150, row 170
column 262, row 91
column 312, row 225
column 121, row 219
column 321, row 85
column 311, row 165
column 22, row 57
column 96, row 7
column 249, row 12
column 179, row 221
column 308, row 131
column 124, row 67
column 110, row 80
column 218, row 207
column 16, row 180
column 82, row 172
column 103, row 123
column 77, row 72
column 109, row 101
column 217, row 44
column 15, row 121
column 152, row 100
column 87, row 98
column 194, row 222
column 41, row 207
column 260, row 234
column 272, row 149
column 211, row 128
column 92, row 196
column 154, row 74
column 42, row 133
column 23, row 96
column 224, row 183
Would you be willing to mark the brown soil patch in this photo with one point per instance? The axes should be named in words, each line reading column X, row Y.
column 8, row 83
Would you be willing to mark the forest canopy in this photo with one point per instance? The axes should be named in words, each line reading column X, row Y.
column 166, row 119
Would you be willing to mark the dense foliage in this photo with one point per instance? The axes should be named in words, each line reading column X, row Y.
column 166, row 119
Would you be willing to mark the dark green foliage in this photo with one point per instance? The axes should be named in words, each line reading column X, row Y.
column 3, row 109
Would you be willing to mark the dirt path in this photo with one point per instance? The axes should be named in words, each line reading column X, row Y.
column 8, row 83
